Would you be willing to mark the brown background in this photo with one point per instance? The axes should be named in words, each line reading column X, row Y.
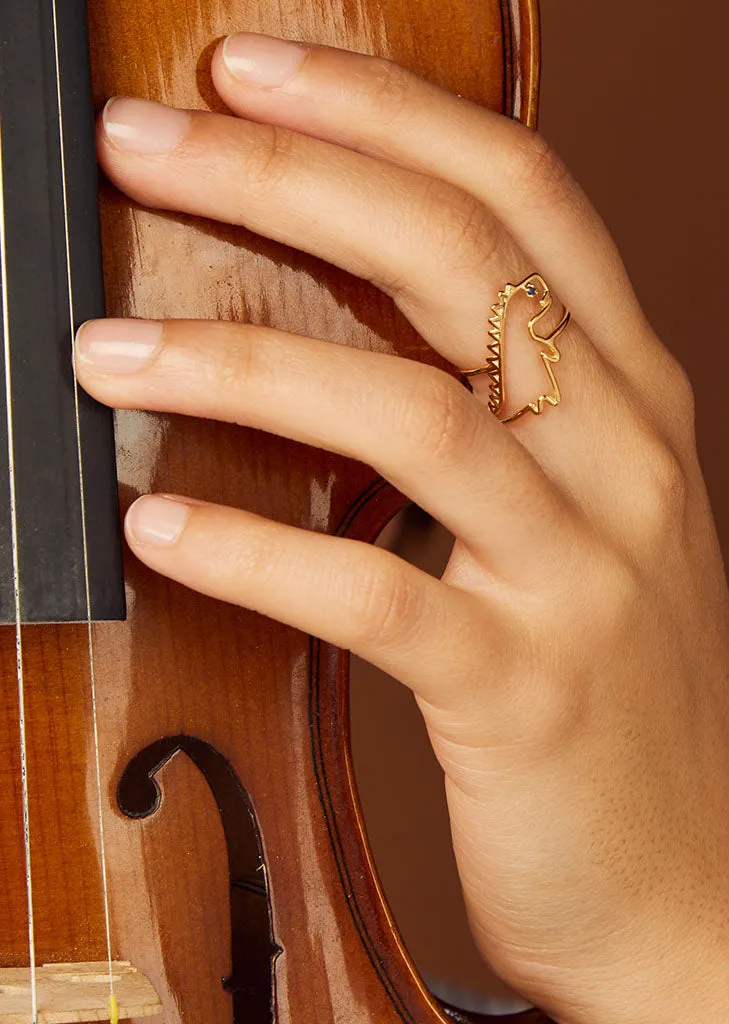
column 634, row 97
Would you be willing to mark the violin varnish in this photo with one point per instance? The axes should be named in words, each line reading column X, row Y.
column 76, row 993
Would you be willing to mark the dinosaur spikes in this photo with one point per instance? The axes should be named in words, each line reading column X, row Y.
column 492, row 369
column 497, row 320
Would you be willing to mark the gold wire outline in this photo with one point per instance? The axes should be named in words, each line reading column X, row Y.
column 494, row 366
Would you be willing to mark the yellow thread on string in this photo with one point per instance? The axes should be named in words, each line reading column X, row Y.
column 113, row 1010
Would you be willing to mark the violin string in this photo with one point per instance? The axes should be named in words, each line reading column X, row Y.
column 84, row 532
column 18, row 604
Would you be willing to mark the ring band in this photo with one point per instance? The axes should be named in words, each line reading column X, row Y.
column 534, row 287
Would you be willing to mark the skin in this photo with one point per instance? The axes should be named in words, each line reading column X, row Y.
column 575, row 692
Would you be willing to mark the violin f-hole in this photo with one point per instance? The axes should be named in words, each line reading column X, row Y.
column 253, row 946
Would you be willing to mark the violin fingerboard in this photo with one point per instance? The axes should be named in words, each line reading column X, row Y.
column 52, row 282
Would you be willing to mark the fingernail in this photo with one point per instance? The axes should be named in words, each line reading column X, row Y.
column 144, row 127
column 157, row 521
column 262, row 60
column 117, row 346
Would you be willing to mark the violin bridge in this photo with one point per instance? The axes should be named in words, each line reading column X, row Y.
column 75, row 993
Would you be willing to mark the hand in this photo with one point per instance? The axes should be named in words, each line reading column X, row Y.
column 571, row 665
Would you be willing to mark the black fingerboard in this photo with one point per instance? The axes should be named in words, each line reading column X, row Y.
column 47, row 239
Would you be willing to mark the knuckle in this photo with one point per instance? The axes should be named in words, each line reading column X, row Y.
column 389, row 87
column 538, row 173
column 460, row 229
column 681, row 392
column 385, row 606
column 268, row 160
column 667, row 479
column 666, row 398
column 662, row 492
column 437, row 421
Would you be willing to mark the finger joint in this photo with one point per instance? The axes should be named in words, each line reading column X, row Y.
column 268, row 161
column 390, row 89
column 539, row 175
column 439, row 421
column 386, row 606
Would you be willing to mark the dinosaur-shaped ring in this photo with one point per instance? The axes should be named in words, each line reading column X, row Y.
column 535, row 287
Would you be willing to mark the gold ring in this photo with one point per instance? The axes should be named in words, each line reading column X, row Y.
column 534, row 287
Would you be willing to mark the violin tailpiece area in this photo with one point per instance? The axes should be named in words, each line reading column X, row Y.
column 75, row 993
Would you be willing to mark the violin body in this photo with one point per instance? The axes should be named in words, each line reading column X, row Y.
column 234, row 846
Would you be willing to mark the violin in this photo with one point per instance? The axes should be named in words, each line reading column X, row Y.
column 180, row 834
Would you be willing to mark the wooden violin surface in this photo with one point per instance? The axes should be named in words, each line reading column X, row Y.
column 234, row 844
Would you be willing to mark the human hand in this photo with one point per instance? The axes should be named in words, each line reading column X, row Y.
column 571, row 666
